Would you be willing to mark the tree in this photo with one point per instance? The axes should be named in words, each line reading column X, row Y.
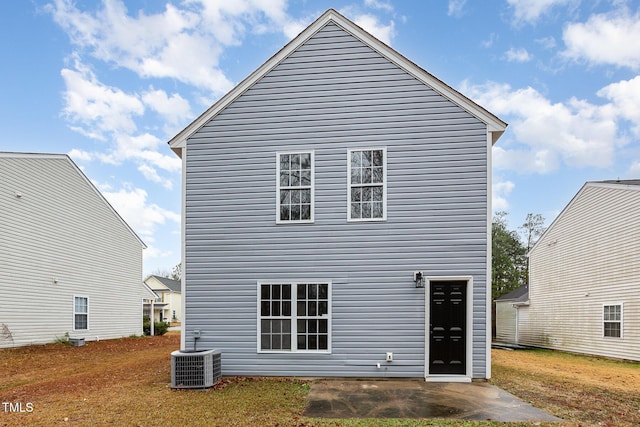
column 508, row 262
column 532, row 229
column 176, row 273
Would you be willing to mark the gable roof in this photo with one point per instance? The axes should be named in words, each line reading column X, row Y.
column 520, row 294
column 629, row 184
column 174, row 285
column 495, row 125
column 64, row 157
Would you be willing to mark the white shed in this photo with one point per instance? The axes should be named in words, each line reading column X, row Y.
column 508, row 313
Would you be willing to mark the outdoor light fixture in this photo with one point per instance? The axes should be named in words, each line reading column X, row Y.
column 418, row 277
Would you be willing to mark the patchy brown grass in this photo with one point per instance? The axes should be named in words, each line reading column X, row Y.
column 584, row 390
column 127, row 382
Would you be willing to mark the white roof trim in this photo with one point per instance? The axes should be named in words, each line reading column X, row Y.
column 495, row 126
column 82, row 175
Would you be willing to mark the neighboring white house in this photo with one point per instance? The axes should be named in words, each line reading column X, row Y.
column 70, row 264
column 508, row 314
column 584, row 275
column 337, row 217
column 168, row 306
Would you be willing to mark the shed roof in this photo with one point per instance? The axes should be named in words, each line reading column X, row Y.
column 494, row 125
column 520, row 294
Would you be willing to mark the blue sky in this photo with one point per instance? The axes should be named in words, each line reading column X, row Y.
column 110, row 82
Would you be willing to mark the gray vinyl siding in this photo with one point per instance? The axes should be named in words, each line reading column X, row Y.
column 589, row 257
column 334, row 94
column 60, row 228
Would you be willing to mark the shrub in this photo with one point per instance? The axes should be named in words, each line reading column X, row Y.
column 159, row 328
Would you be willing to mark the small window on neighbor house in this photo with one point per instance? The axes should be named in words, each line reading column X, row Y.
column 294, row 317
column 80, row 313
column 294, row 187
column 367, row 189
column 612, row 319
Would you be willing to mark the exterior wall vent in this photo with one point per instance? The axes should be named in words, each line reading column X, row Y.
column 195, row 369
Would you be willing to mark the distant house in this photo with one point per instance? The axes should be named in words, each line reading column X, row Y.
column 151, row 302
column 507, row 314
column 337, row 217
column 584, row 287
column 70, row 264
column 168, row 306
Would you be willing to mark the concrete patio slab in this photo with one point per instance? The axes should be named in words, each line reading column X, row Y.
column 418, row 399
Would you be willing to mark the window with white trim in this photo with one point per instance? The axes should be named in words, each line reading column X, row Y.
column 612, row 320
column 294, row 187
column 294, row 317
column 367, row 185
column 80, row 313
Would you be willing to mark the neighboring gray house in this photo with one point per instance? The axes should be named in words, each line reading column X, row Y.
column 70, row 264
column 320, row 195
column 508, row 314
column 584, row 275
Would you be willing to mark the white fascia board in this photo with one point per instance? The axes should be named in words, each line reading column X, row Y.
column 494, row 125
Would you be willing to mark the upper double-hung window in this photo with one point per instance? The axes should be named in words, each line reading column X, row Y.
column 367, row 182
column 295, row 187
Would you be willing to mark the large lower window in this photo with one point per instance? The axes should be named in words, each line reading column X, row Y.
column 295, row 187
column 80, row 313
column 294, row 317
column 367, row 185
column 612, row 320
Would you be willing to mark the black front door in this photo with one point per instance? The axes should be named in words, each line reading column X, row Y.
column 447, row 330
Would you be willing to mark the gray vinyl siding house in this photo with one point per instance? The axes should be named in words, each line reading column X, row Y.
column 317, row 194
column 70, row 264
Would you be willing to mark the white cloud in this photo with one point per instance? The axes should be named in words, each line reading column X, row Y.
column 151, row 174
column 530, row 10
column 625, row 100
column 183, row 43
column 456, row 7
column 173, row 109
column 547, row 42
column 499, row 192
column 634, row 170
column 517, row 55
column 370, row 23
column 546, row 135
column 377, row 4
column 143, row 217
column 96, row 107
column 605, row 39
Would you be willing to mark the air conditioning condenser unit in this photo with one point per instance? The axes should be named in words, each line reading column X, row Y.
column 195, row 369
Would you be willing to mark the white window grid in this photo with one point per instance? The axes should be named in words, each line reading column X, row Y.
column 298, row 193
column 294, row 317
column 80, row 308
column 367, row 184
column 612, row 314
